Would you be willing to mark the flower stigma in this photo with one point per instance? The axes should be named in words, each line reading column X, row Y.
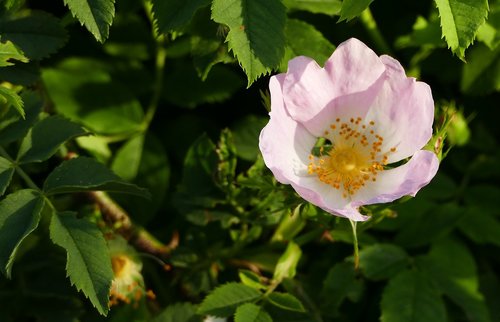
column 354, row 157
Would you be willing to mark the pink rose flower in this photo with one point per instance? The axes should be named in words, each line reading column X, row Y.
column 369, row 114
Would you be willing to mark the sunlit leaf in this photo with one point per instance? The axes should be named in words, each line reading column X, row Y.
column 86, row 174
column 12, row 99
column 287, row 263
column 409, row 297
column 9, row 51
column 250, row 312
column 19, row 216
column 256, row 33
column 95, row 15
column 88, row 261
column 460, row 20
column 328, row 7
column 353, row 8
column 286, row 301
column 223, row 300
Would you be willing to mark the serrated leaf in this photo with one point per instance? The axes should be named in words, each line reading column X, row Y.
column 256, row 33
column 409, row 297
column 179, row 312
column 9, row 51
column 37, row 34
column 6, row 171
column 250, row 312
column 287, row 263
column 224, row 299
column 353, row 8
column 381, row 261
column 251, row 279
column 328, row 7
column 453, row 269
column 13, row 99
column 43, row 140
column 88, row 263
column 286, row 301
column 95, row 15
column 19, row 216
column 172, row 14
column 86, row 174
column 460, row 20
column 304, row 39
column 12, row 127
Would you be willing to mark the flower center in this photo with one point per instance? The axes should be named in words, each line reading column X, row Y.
column 354, row 158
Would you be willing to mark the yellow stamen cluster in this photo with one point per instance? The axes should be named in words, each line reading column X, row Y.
column 355, row 158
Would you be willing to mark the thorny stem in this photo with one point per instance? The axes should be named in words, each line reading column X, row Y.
column 371, row 27
column 356, row 246
column 19, row 171
column 120, row 220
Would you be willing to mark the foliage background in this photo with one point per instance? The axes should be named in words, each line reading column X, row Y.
column 175, row 95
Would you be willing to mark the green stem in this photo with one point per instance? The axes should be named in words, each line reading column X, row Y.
column 356, row 246
column 19, row 171
column 371, row 27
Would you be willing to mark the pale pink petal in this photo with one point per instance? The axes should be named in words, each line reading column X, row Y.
column 284, row 143
column 308, row 89
column 405, row 180
column 403, row 112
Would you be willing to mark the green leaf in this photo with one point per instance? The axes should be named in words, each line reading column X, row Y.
column 128, row 158
column 9, row 51
column 43, row 140
column 303, row 39
column 12, row 99
column 409, row 297
column 460, row 20
column 224, row 299
column 37, row 34
column 179, row 312
column 382, row 261
column 19, row 216
column 250, row 312
column 256, row 33
column 246, row 136
column 251, row 279
column 340, row 283
column 95, row 15
column 12, row 127
column 220, row 84
column 453, row 269
column 424, row 33
column 328, row 7
column 287, row 263
column 172, row 14
column 88, row 263
column 6, row 171
column 286, row 301
column 290, row 225
column 353, row 8
column 84, row 90
column 86, row 174
column 481, row 74
column 480, row 227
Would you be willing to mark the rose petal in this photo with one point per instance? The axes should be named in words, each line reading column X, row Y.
column 285, row 144
column 308, row 88
column 405, row 180
column 403, row 112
